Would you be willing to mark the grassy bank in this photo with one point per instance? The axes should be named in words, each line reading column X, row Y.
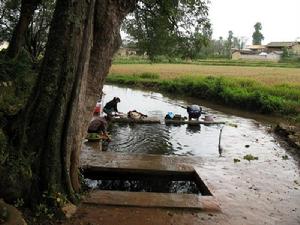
column 241, row 93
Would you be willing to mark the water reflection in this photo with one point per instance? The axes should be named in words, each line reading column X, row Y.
column 146, row 138
column 92, row 145
column 191, row 129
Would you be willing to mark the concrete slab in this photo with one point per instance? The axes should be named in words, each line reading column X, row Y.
column 111, row 160
column 130, row 120
column 153, row 200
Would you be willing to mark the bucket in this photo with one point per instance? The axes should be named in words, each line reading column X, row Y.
column 208, row 118
column 97, row 109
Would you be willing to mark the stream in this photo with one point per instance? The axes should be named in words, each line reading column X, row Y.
column 247, row 134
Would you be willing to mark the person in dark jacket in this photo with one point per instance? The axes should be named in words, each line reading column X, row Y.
column 111, row 106
column 99, row 125
column 194, row 111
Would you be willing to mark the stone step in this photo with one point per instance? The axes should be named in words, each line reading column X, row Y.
column 92, row 159
column 153, row 200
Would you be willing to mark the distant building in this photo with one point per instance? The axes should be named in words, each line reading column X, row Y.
column 126, row 51
column 248, row 54
column 270, row 52
column 292, row 47
column 256, row 48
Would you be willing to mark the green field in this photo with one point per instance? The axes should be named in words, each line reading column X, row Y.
column 265, row 75
column 285, row 63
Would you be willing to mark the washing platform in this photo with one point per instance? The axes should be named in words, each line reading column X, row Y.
column 125, row 177
column 193, row 122
column 144, row 120
column 155, row 120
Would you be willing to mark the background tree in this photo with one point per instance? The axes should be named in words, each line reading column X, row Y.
column 35, row 34
column 26, row 13
column 239, row 42
column 243, row 42
column 170, row 28
column 220, row 49
column 194, row 46
column 214, row 49
column 236, row 43
column 9, row 14
column 257, row 36
column 229, row 43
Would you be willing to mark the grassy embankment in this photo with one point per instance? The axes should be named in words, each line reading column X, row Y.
column 265, row 90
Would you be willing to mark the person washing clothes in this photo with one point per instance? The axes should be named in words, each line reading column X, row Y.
column 112, row 106
column 98, row 126
column 194, row 112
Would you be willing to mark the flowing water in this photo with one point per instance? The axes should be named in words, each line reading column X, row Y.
column 184, row 139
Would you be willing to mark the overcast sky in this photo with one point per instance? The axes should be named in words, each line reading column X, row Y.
column 280, row 18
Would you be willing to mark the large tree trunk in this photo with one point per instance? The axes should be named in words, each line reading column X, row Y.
column 83, row 37
column 48, row 117
column 108, row 17
column 27, row 10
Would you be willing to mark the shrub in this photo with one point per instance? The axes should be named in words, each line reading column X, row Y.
column 18, row 73
column 148, row 76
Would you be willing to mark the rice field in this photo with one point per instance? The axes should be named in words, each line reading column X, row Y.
column 266, row 75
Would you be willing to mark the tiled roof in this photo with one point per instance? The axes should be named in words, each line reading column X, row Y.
column 245, row 51
column 256, row 46
column 282, row 44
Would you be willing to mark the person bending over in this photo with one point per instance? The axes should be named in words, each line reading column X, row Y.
column 99, row 126
column 111, row 106
column 194, row 111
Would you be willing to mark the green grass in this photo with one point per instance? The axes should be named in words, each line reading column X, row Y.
column 130, row 60
column 237, row 92
column 147, row 75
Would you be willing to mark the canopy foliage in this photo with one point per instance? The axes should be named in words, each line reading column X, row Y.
column 169, row 27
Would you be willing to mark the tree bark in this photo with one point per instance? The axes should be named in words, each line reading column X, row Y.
column 108, row 16
column 83, row 38
column 27, row 10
